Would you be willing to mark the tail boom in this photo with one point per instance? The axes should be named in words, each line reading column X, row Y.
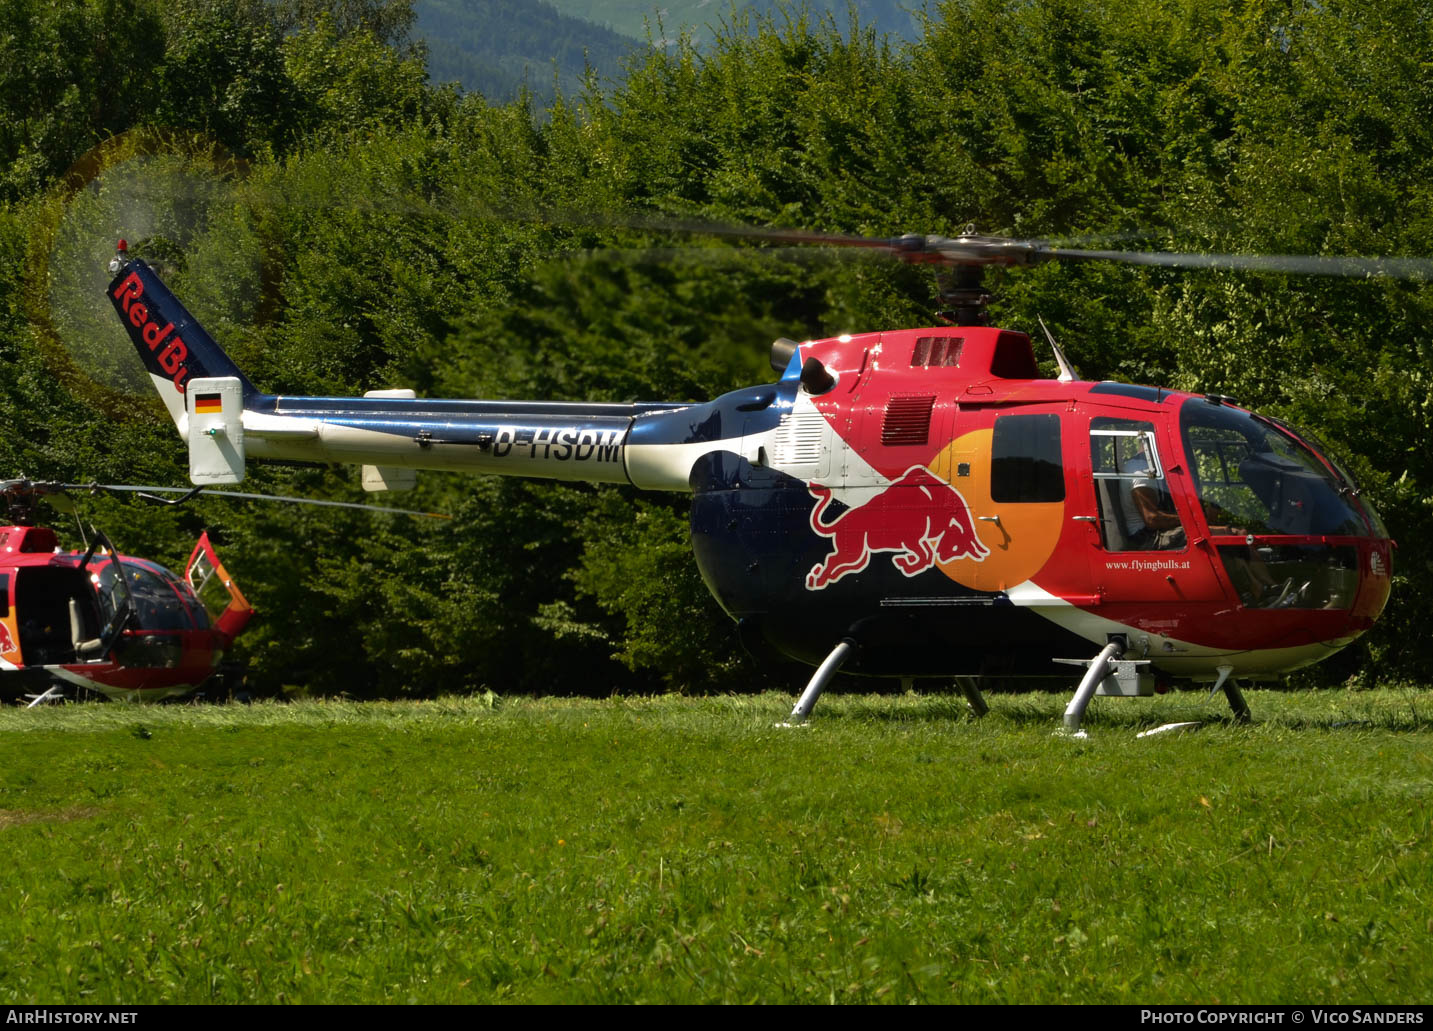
column 527, row 438
column 225, row 420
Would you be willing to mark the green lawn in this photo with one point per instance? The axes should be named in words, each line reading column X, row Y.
column 682, row 850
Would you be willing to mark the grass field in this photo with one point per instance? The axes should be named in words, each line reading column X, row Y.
column 685, row 850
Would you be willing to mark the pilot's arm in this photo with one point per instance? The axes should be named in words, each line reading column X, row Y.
column 1146, row 500
column 1221, row 521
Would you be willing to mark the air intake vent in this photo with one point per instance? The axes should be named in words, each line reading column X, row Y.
column 907, row 420
column 798, row 439
column 937, row 352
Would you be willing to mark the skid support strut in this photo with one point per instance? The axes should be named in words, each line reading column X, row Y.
column 819, row 680
column 1232, row 692
column 1101, row 667
column 970, row 687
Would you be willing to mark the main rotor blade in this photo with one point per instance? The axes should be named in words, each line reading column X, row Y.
column 191, row 491
column 973, row 249
column 994, row 250
column 1302, row 264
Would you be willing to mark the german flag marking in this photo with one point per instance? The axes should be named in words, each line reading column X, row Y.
column 208, row 404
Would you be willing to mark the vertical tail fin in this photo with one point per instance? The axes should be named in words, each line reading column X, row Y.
column 175, row 349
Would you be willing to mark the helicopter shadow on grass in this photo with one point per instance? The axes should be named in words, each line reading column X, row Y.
column 1412, row 722
column 1021, row 701
column 1040, row 707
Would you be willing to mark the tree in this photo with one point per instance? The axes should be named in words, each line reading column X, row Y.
column 72, row 72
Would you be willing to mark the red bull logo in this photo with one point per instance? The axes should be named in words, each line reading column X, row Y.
column 7, row 643
column 169, row 353
column 920, row 517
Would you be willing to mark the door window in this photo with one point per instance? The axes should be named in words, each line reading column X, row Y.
column 1136, row 510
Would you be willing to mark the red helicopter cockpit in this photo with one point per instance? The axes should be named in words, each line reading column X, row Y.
column 1289, row 525
column 98, row 621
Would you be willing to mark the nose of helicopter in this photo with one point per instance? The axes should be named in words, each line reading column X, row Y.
column 1303, row 550
column 1375, row 580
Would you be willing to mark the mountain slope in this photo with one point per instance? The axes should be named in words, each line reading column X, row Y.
column 636, row 17
column 495, row 46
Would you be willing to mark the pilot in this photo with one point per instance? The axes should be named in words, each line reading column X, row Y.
column 1149, row 523
column 1250, row 574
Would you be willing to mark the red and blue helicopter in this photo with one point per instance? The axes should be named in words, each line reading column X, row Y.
column 907, row 503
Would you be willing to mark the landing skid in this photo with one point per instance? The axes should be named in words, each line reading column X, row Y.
column 1108, row 674
column 970, row 687
column 831, row 665
column 1232, row 693
column 52, row 695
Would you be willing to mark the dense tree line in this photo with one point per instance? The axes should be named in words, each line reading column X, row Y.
column 342, row 225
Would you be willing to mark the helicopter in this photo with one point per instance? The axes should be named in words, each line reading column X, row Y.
column 905, row 503
column 96, row 621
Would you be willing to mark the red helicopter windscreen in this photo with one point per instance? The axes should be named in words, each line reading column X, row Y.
column 1251, row 475
column 162, row 601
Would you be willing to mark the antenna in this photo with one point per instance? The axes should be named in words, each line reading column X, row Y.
column 1067, row 371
